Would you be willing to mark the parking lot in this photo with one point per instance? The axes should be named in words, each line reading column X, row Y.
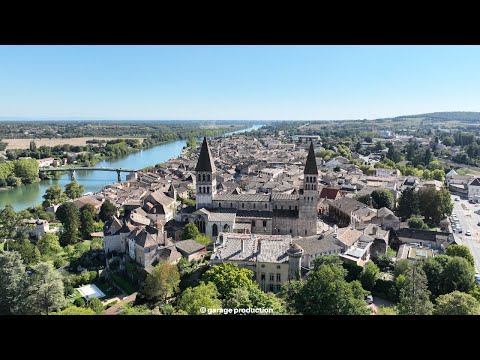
column 468, row 220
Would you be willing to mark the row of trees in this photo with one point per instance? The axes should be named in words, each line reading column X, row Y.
column 54, row 195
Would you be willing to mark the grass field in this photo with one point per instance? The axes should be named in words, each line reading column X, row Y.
column 81, row 141
column 468, row 171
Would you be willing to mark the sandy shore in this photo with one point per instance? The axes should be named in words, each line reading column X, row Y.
column 25, row 143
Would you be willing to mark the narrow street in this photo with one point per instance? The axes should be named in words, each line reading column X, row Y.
column 468, row 221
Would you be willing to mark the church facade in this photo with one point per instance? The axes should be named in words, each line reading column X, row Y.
column 270, row 214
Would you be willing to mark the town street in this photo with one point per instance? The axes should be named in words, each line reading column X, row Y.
column 468, row 220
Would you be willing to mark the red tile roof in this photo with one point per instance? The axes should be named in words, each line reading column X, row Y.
column 328, row 193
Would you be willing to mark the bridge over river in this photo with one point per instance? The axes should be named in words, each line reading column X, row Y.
column 72, row 170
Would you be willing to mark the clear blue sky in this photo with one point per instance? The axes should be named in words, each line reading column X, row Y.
column 236, row 82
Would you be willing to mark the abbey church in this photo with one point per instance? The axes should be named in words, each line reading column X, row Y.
column 271, row 214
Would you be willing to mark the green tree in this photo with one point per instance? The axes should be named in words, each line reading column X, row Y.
column 74, row 190
column 87, row 222
column 401, row 267
column 387, row 310
column 414, row 295
column 10, row 224
column 136, row 310
column 13, row 279
column 107, row 210
column 96, row 305
column 229, row 276
column 49, row 245
column 382, row 198
column 190, row 231
column 69, row 216
column 327, row 293
column 162, row 282
column 448, row 141
column 33, row 145
column 433, row 268
column 461, row 251
column 203, row 239
column 254, row 297
column 416, row 222
column 74, row 310
column 457, row 303
column 430, row 205
column 26, row 169
column 326, row 260
column 54, row 196
column 458, row 275
column 408, row 204
column 45, row 290
column 29, row 252
column 291, row 293
column 203, row 295
column 369, row 275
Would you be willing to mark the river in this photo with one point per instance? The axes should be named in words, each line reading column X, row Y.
column 25, row 196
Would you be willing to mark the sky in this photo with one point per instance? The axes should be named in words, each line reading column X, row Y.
column 236, row 82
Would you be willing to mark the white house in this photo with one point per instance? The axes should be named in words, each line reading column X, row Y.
column 474, row 190
column 386, row 172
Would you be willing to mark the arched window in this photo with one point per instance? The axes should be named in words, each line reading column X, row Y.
column 231, row 205
column 226, row 228
column 243, row 205
column 253, row 223
column 266, row 205
column 200, row 223
column 208, row 177
column 199, row 177
column 208, row 189
column 305, row 232
column 203, row 177
column 214, row 230
column 219, row 204
column 254, row 205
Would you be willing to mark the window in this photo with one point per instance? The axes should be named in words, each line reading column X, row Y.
column 203, row 177
column 208, row 177
column 290, row 231
column 278, row 287
column 282, row 207
column 272, row 276
column 219, row 204
column 231, row 205
column 278, row 230
column 208, row 189
column 264, row 223
column 243, row 205
column 296, row 207
column 276, row 207
column 253, row 223
column 279, row 277
column 214, row 230
column 199, row 177
column 263, row 265
column 289, row 207
column 254, row 205
column 305, row 232
column 262, row 277
column 271, row 287
column 278, row 266
column 266, row 206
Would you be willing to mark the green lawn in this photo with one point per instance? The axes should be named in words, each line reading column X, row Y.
column 124, row 283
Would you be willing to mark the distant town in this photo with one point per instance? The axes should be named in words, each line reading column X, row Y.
column 354, row 217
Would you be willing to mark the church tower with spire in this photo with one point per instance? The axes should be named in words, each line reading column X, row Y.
column 308, row 197
column 206, row 184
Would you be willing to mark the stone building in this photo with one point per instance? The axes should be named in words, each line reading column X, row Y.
column 274, row 259
column 292, row 214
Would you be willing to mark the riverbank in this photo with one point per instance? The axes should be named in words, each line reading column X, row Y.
column 25, row 196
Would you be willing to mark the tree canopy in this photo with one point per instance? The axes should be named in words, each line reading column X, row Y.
column 229, row 276
column 202, row 296
column 162, row 282
column 457, row 303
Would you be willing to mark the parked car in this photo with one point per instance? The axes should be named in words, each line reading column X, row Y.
column 477, row 278
column 468, row 233
column 369, row 299
column 457, row 199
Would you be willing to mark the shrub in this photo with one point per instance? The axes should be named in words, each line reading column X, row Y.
column 69, row 290
column 79, row 302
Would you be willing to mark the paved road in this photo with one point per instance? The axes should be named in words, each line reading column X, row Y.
column 468, row 220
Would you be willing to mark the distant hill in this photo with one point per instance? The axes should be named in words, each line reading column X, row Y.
column 452, row 115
